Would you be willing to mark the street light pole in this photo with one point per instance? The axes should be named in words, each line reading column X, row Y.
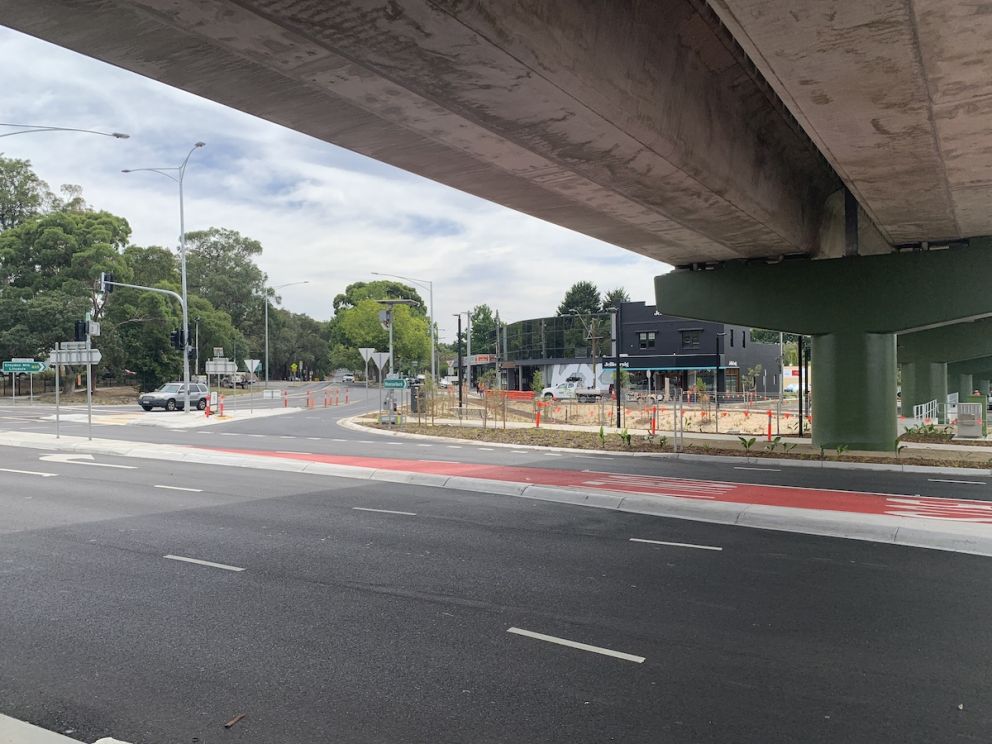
column 181, row 171
column 35, row 128
column 281, row 286
column 430, row 289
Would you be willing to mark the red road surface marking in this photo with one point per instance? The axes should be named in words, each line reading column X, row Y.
column 958, row 510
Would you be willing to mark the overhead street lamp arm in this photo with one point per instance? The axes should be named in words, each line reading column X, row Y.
column 33, row 128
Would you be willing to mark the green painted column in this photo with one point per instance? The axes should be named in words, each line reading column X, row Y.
column 852, row 307
column 983, row 387
column 922, row 382
column 959, row 379
column 848, row 369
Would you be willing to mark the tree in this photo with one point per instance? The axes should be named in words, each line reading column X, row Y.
column 381, row 289
column 484, row 329
column 220, row 267
column 614, row 297
column 359, row 326
column 22, row 194
column 537, row 382
column 582, row 298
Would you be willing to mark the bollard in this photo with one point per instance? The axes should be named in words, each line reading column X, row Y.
column 206, row 411
column 654, row 420
column 346, row 394
column 285, row 399
column 327, row 400
column 309, row 399
column 337, row 396
column 220, row 407
column 537, row 417
column 769, row 426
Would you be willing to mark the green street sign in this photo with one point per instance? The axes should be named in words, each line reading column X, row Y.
column 30, row 367
column 394, row 383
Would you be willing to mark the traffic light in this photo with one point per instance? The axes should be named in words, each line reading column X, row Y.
column 177, row 339
column 106, row 282
column 81, row 328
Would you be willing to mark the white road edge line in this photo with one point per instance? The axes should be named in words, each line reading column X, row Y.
column 202, row 563
column 28, row 472
column 575, row 644
column 384, row 511
column 180, row 488
column 764, row 470
column 964, row 482
column 675, row 544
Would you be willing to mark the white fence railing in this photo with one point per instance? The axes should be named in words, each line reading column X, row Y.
column 927, row 411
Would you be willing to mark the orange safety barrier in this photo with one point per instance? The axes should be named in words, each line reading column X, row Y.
column 310, row 402
column 206, row 411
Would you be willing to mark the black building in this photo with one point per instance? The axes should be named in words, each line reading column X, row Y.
column 659, row 351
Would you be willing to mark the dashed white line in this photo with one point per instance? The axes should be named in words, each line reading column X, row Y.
column 764, row 470
column 963, row 482
column 285, row 436
column 28, row 472
column 227, row 434
column 576, row 644
column 425, row 445
column 551, row 454
column 485, row 449
column 520, row 452
column 365, row 441
column 181, row 488
column 675, row 544
column 384, row 511
column 203, row 563
column 314, row 439
column 339, row 440
column 454, row 446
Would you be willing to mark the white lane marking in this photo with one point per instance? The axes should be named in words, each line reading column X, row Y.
column 963, row 482
column 675, row 544
column 485, row 449
column 764, row 470
column 28, row 472
column 520, row 452
column 83, row 460
column 202, row 563
column 339, row 440
column 292, row 452
column 254, row 435
column 284, row 436
column 551, row 454
column 588, row 457
column 314, row 439
column 575, row 644
column 181, row 488
column 425, row 445
column 229, row 434
column 365, row 441
column 384, row 511
column 454, row 446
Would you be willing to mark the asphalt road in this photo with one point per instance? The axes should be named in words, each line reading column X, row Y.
column 355, row 625
column 317, row 431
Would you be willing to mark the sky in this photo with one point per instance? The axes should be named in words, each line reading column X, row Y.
column 322, row 213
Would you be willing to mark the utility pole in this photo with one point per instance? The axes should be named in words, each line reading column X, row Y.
column 459, row 345
column 618, row 338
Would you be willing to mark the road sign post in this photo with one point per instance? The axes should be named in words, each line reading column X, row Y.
column 58, row 390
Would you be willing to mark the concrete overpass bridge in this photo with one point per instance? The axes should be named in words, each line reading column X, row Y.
column 742, row 141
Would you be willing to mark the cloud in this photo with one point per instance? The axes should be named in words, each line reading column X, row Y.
column 322, row 213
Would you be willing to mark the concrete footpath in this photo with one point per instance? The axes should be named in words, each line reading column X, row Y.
column 958, row 525
column 13, row 731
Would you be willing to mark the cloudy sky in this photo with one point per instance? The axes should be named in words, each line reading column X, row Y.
column 322, row 213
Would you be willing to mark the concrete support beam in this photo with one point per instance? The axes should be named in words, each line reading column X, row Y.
column 853, row 307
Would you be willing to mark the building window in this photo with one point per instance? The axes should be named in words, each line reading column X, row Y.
column 690, row 340
column 645, row 340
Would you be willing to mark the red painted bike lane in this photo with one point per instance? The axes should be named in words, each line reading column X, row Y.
column 957, row 510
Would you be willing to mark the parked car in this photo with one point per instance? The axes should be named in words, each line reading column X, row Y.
column 171, row 397
column 347, row 378
column 238, row 380
column 572, row 390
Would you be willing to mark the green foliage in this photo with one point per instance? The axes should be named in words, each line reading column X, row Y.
column 615, row 297
column 358, row 326
column 773, row 444
column 602, row 436
column 382, row 289
column 537, row 382
column 484, row 330
column 841, row 449
column 662, row 442
column 788, row 447
column 625, row 437
column 747, row 443
column 220, row 267
column 582, row 298
column 22, row 194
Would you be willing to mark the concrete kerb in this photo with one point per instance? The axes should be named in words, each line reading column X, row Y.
column 939, row 535
column 351, row 424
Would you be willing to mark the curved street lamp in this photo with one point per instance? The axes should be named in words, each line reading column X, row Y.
column 288, row 284
column 32, row 128
column 180, row 174
column 429, row 286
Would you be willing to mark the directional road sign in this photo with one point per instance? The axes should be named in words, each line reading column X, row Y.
column 253, row 365
column 31, row 367
column 401, row 383
column 221, row 367
column 366, row 352
column 75, row 356
column 380, row 358
column 73, row 345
